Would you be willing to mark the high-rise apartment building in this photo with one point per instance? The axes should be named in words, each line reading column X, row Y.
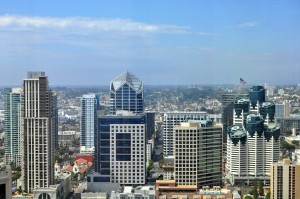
column 88, row 119
column 198, row 154
column 37, row 137
column 120, row 153
column 285, row 180
column 126, row 93
column 253, row 141
column 172, row 119
column 12, row 125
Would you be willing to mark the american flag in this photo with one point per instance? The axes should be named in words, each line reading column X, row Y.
column 242, row 81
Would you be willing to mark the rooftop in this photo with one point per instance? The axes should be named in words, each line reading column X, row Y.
column 127, row 77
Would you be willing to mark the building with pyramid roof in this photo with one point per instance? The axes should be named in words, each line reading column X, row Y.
column 126, row 93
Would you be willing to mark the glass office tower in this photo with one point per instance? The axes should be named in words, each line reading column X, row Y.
column 126, row 93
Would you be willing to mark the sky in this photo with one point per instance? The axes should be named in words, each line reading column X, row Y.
column 168, row 42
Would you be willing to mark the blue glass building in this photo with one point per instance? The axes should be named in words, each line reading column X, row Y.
column 126, row 93
column 120, row 149
column 256, row 94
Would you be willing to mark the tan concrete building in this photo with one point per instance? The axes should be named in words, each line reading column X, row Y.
column 198, row 154
column 285, row 180
column 37, row 133
column 167, row 189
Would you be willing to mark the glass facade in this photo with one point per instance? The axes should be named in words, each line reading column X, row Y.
column 126, row 93
column 256, row 94
column 13, row 106
column 112, row 135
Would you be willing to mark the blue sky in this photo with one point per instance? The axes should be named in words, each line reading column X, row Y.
column 162, row 42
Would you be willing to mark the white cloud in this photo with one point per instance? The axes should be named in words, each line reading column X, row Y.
column 248, row 24
column 87, row 25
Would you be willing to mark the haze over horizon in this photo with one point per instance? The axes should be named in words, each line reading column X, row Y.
column 161, row 42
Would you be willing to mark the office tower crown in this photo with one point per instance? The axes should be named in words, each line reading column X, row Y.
column 127, row 77
column 35, row 74
column 126, row 93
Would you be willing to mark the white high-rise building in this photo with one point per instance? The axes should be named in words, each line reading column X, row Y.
column 253, row 141
column 128, row 157
column 172, row 119
column 88, row 119
column 37, row 137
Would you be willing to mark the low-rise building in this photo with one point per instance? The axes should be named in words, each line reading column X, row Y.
column 66, row 137
column 91, row 195
column 80, row 167
column 95, row 183
column 167, row 189
column 128, row 192
column 86, row 157
column 61, row 189
column 168, row 168
column 86, row 150
column 5, row 181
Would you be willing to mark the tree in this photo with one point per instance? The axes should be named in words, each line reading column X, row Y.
column 288, row 133
column 268, row 195
column 260, row 188
column 150, row 166
column 228, row 181
column 255, row 193
column 287, row 146
column 20, row 190
column 248, row 197
column 75, row 177
column 161, row 177
column 18, row 169
column 12, row 166
column 295, row 142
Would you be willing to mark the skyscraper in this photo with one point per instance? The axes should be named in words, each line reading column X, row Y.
column 13, row 109
column 120, row 153
column 198, row 154
column 253, row 139
column 37, row 135
column 285, row 180
column 126, row 93
column 88, row 119
column 171, row 119
column 227, row 112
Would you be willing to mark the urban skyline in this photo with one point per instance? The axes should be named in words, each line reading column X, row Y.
column 164, row 43
column 130, row 147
